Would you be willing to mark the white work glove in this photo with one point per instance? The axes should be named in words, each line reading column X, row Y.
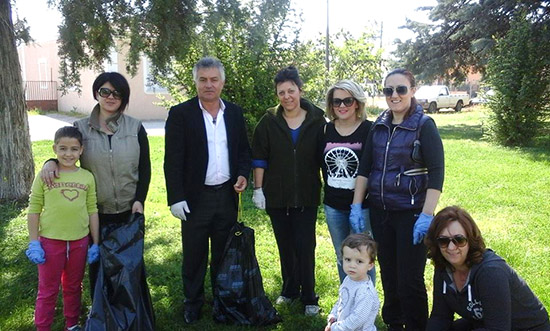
column 258, row 198
column 179, row 209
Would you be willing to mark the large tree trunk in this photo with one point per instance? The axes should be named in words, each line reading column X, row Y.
column 16, row 162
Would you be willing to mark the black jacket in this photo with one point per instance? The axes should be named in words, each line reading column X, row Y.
column 186, row 150
column 292, row 175
column 493, row 298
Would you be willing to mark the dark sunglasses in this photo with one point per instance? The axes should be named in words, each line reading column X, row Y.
column 336, row 102
column 458, row 240
column 401, row 90
column 105, row 93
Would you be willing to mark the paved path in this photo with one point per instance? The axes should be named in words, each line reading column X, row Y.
column 43, row 127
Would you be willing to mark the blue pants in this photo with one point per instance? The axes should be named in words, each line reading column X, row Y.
column 338, row 226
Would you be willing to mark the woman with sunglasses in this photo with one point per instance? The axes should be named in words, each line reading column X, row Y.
column 474, row 282
column 402, row 167
column 116, row 151
column 287, row 184
column 340, row 146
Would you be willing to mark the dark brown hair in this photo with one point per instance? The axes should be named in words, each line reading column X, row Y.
column 288, row 74
column 356, row 240
column 68, row 132
column 119, row 83
column 412, row 81
column 440, row 222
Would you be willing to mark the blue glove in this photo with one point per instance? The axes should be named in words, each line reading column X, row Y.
column 356, row 219
column 93, row 253
column 421, row 227
column 35, row 253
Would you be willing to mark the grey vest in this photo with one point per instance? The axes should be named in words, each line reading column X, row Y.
column 115, row 167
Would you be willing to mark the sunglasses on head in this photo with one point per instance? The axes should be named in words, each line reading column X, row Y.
column 458, row 240
column 336, row 102
column 401, row 90
column 105, row 93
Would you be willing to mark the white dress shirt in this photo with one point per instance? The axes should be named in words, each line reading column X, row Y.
column 217, row 171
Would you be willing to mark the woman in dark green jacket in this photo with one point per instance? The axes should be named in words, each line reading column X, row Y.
column 287, row 184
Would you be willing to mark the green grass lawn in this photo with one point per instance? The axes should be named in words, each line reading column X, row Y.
column 506, row 191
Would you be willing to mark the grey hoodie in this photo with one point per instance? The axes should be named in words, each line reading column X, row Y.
column 493, row 298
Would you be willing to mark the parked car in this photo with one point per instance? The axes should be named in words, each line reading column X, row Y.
column 482, row 97
column 432, row 98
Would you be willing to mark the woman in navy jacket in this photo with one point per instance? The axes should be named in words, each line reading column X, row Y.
column 403, row 168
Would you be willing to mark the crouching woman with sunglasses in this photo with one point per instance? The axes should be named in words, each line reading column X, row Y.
column 474, row 282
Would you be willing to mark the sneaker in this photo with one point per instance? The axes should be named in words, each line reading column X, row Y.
column 282, row 300
column 75, row 327
column 311, row 310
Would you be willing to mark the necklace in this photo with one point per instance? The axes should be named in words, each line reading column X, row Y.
column 346, row 130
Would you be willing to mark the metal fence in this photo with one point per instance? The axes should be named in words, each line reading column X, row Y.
column 40, row 90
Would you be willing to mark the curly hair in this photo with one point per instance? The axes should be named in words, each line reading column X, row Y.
column 440, row 222
column 288, row 74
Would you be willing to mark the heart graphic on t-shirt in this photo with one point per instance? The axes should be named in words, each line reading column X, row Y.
column 70, row 194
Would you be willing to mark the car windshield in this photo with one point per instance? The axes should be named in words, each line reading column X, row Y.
column 425, row 92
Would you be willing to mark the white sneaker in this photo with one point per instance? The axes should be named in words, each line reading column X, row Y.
column 283, row 300
column 311, row 310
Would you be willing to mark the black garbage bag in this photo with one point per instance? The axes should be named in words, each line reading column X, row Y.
column 239, row 296
column 121, row 296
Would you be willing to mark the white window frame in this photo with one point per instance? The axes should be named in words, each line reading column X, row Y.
column 111, row 65
column 43, row 72
column 147, row 76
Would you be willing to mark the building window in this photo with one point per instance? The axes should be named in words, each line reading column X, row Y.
column 43, row 72
column 149, row 84
column 111, row 65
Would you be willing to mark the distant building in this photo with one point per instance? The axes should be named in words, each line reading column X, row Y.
column 40, row 71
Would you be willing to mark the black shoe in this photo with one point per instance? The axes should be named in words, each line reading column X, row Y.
column 395, row 327
column 190, row 316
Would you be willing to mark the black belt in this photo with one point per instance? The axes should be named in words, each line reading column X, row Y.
column 216, row 187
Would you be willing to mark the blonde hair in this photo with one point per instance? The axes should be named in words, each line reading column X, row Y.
column 356, row 92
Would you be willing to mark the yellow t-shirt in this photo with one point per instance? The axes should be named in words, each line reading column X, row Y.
column 65, row 208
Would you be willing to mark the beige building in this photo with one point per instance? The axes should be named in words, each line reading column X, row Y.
column 40, row 71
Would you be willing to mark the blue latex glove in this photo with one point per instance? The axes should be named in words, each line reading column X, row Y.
column 93, row 253
column 35, row 253
column 356, row 219
column 421, row 227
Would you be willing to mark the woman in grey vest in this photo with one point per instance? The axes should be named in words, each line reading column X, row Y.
column 116, row 151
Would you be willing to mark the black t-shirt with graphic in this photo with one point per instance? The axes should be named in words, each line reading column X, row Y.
column 340, row 163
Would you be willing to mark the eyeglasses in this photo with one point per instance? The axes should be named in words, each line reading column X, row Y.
column 336, row 102
column 458, row 240
column 401, row 90
column 105, row 93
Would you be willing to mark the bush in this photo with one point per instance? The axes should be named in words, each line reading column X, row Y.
column 519, row 75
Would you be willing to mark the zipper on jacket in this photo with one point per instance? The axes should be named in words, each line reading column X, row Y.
column 295, row 180
column 385, row 163
column 113, row 172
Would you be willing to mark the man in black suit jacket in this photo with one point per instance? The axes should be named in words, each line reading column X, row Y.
column 206, row 163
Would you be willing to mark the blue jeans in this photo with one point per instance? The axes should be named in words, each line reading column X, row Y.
column 338, row 226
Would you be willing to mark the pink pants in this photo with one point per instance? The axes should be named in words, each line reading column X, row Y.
column 65, row 264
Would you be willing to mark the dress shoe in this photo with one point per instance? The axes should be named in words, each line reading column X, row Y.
column 190, row 316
